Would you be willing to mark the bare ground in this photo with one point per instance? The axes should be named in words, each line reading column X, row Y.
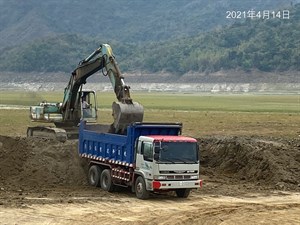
column 246, row 180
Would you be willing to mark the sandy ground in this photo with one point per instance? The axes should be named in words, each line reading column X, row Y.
column 276, row 208
column 246, row 181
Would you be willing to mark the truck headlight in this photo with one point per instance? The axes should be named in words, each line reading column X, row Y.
column 159, row 177
column 194, row 177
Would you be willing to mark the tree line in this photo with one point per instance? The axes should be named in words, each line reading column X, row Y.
column 265, row 45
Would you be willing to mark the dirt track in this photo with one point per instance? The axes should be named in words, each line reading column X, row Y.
column 246, row 180
column 125, row 209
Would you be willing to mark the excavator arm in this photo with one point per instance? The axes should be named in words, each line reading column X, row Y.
column 67, row 115
column 78, row 77
column 125, row 111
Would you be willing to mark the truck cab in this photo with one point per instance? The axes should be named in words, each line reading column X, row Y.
column 167, row 163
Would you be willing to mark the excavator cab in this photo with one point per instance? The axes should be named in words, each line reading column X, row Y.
column 88, row 106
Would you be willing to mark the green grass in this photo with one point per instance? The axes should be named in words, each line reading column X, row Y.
column 259, row 115
column 169, row 101
column 224, row 103
column 195, row 123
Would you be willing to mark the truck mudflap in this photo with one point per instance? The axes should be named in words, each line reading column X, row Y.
column 169, row 185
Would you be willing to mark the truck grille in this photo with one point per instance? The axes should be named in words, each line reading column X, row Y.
column 178, row 177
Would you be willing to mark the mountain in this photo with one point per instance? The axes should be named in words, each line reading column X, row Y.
column 127, row 21
column 262, row 44
column 174, row 36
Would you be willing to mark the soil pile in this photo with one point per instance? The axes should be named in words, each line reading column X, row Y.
column 29, row 163
column 267, row 162
column 34, row 163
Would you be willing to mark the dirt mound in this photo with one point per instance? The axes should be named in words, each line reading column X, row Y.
column 27, row 163
column 274, row 163
column 34, row 163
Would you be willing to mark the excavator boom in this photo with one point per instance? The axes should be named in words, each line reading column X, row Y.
column 66, row 115
column 125, row 111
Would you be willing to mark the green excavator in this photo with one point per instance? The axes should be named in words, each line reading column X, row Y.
column 79, row 104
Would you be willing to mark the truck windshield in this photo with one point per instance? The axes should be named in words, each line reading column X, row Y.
column 178, row 152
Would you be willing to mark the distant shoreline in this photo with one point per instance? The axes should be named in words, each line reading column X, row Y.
column 212, row 88
column 218, row 82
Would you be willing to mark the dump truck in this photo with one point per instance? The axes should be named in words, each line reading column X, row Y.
column 148, row 158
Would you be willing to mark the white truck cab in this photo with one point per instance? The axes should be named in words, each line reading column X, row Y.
column 167, row 163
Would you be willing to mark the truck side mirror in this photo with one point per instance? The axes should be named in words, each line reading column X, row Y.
column 156, row 156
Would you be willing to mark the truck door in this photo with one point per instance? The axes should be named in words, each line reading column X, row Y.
column 144, row 158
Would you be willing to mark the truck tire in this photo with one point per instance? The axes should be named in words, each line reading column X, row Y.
column 94, row 175
column 183, row 193
column 140, row 188
column 106, row 181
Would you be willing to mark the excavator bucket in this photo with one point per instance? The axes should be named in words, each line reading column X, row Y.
column 125, row 114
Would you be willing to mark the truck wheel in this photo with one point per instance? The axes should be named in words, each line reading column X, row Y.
column 140, row 188
column 183, row 193
column 106, row 181
column 94, row 175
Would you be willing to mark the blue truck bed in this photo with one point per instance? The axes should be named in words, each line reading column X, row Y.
column 95, row 143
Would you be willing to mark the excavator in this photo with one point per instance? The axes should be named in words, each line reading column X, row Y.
column 79, row 104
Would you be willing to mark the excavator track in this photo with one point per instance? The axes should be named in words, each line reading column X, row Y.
column 47, row 132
